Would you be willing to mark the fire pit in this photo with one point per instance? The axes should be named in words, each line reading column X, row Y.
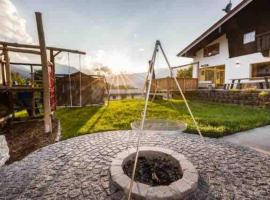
column 160, row 174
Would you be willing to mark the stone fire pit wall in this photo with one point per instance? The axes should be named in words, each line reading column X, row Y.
column 177, row 190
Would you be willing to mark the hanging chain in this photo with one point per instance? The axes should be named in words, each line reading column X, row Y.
column 80, row 66
column 69, row 78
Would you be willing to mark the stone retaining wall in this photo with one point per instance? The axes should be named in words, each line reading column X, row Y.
column 254, row 98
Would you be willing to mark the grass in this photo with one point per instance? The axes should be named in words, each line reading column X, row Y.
column 215, row 120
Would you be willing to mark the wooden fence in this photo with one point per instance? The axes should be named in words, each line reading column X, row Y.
column 169, row 85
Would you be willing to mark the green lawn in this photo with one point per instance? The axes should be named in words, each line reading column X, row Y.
column 215, row 120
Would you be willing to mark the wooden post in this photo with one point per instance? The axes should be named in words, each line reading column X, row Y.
column 184, row 84
column 267, row 85
column 32, row 75
column 168, row 87
column 3, row 72
column 52, row 60
column 45, row 74
column 7, row 64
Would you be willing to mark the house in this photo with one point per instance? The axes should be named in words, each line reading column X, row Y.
column 236, row 48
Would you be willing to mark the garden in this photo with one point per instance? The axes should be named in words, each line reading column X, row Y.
column 215, row 119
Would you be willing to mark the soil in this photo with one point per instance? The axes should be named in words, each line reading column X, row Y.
column 24, row 137
column 153, row 171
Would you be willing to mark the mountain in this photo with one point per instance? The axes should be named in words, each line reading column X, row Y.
column 24, row 71
column 135, row 80
column 64, row 69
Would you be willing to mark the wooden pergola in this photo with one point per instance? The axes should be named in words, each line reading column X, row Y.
column 40, row 50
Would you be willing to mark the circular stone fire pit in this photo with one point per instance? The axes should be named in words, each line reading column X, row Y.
column 160, row 174
column 159, row 125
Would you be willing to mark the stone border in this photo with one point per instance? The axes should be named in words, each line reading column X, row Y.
column 176, row 190
column 4, row 150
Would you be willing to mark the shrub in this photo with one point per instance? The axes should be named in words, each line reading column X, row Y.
column 263, row 94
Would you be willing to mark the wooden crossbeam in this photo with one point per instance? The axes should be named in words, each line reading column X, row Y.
column 19, row 50
column 30, row 46
column 54, row 55
column 28, row 64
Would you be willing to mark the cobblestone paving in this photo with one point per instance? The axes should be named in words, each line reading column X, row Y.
column 79, row 168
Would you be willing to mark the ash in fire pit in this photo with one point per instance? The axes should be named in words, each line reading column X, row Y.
column 154, row 171
column 160, row 174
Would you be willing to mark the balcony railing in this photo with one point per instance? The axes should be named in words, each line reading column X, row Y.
column 263, row 42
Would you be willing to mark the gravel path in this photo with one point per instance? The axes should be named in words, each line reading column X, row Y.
column 78, row 168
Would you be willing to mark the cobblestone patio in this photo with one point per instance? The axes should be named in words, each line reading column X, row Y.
column 78, row 168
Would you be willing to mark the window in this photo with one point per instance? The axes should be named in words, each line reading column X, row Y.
column 249, row 37
column 211, row 50
column 261, row 70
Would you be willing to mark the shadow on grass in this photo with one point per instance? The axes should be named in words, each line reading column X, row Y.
column 73, row 119
column 100, row 114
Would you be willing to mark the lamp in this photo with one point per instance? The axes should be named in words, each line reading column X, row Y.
column 237, row 64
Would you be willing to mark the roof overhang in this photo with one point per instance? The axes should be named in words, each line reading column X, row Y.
column 218, row 24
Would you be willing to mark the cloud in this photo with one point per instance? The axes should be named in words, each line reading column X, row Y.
column 13, row 27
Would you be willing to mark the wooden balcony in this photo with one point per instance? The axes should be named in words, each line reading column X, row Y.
column 263, row 43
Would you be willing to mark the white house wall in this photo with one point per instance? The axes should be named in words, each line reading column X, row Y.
column 243, row 69
column 232, row 69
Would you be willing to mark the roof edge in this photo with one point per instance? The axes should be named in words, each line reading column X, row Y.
column 220, row 22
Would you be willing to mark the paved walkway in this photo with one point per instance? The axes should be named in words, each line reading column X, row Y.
column 78, row 168
column 258, row 138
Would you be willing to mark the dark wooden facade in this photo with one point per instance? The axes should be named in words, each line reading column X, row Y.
column 92, row 89
column 254, row 17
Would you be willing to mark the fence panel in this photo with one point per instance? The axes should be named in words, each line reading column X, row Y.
column 168, row 84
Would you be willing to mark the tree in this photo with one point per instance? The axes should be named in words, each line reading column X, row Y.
column 101, row 69
column 17, row 78
column 185, row 73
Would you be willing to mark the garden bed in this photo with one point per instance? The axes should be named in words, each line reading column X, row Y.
column 24, row 137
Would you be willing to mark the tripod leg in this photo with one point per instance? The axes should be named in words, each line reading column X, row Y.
column 181, row 92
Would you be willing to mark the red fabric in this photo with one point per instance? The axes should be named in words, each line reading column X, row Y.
column 52, row 86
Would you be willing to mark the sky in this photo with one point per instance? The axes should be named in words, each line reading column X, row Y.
column 119, row 34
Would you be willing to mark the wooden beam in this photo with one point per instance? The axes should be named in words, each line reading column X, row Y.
column 3, row 72
column 21, row 50
column 66, row 50
column 186, row 65
column 37, row 47
column 19, row 45
column 54, row 55
column 7, row 65
column 45, row 74
column 32, row 75
column 28, row 64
